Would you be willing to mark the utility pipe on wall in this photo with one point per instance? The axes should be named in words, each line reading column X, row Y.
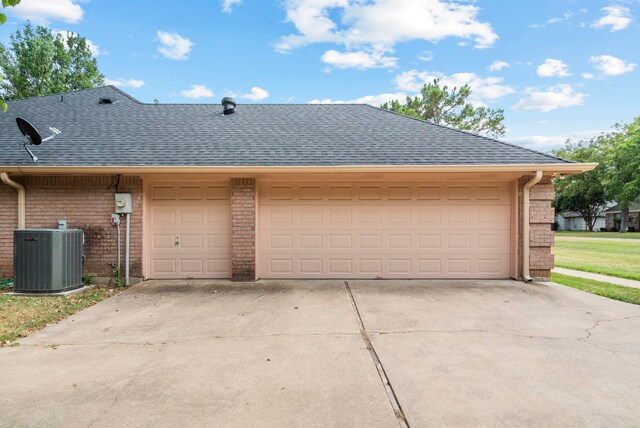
column 525, row 224
column 22, row 199
column 126, row 250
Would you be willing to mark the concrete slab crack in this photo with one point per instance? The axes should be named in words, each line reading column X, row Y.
column 393, row 398
column 194, row 340
column 118, row 394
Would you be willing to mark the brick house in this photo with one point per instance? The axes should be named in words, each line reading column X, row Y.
column 612, row 217
column 278, row 191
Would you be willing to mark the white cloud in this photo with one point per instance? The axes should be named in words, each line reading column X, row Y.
column 546, row 143
column 556, row 19
column 587, row 76
column 174, row 46
column 498, row 65
column 378, row 25
column 374, row 100
column 361, row 60
column 93, row 48
column 124, row 83
column 541, row 143
column 554, row 97
column 615, row 17
column 552, row 68
column 45, row 11
column 256, row 94
column 227, row 5
column 611, row 66
column 483, row 89
column 426, row 56
column 197, row 91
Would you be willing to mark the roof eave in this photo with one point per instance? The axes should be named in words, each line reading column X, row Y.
column 549, row 169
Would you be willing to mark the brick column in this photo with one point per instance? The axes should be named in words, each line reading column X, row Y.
column 243, row 229
column 541, row 217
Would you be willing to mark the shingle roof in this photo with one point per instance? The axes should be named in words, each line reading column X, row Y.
column 633, row 207
column 131, row 133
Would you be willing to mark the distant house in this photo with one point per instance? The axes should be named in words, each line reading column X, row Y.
column 571, row 220
column 612, row 216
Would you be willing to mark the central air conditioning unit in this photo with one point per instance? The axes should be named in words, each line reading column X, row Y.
column 47, row 260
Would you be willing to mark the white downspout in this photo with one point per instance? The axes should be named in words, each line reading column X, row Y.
column 22, row 199
column 525, row 225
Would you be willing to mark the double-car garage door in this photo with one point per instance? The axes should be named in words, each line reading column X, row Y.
column 339, row 230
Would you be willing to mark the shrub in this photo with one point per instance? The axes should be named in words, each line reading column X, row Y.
column 631, row 229
column 603, row 229
column 87, row 279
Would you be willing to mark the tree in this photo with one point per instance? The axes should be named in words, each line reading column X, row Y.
column 583, row 193
column 3, row 19
column 622, row 176
column 442, row 106
column 37, row 62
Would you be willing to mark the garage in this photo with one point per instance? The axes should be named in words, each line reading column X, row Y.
column 189, row 230
column 385, row 230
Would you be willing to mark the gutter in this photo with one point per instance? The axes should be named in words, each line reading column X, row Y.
column 525, row 225
column 22, row 200
column 557, row 168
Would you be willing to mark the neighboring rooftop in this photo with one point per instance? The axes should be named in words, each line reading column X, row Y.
column 633, row 207
column 127, row 132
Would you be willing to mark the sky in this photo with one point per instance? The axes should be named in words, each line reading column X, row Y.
column 560, row 69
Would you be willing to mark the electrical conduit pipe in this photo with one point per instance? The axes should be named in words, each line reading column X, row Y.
column 22, row 199
column 525, row 224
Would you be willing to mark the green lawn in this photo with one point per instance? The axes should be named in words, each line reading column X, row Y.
column 20, row 316
column 628, row 235
column 612, row 291
column 615, row 258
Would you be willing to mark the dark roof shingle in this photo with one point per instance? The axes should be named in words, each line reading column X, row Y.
column 131, row 133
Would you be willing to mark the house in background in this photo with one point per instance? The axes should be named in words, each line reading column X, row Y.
column 572, row 221
column 633, row 221
column 278, row 191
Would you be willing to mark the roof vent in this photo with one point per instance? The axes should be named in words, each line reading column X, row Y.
column 105, row 100
column 228, row 106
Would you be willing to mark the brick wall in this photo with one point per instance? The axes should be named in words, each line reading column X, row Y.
column 632, row 221
column 86, row 203
column 541, row 217
column 243, row 229
column 8, row 222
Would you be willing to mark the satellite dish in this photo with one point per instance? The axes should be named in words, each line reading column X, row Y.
column 32, row 136
column 29, row 131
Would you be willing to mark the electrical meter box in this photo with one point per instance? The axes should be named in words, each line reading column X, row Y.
column 123, row 203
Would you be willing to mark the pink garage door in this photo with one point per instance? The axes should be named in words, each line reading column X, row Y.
column 189, row 231
column 386, row 230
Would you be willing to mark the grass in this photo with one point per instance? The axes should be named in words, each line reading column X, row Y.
column 612, row 291
column 21, row 315
column 614, row 258
column 617, row 235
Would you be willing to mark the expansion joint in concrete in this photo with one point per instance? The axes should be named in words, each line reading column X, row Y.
column 393, row 398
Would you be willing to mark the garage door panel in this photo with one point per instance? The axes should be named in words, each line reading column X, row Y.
column 190, row 231
column 164, row 266
column 389, row 230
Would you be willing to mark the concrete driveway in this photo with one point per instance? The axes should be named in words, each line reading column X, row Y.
column 212, row 353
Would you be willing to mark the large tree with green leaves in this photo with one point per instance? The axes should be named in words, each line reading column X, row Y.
column 622, row 176
column 450, row 107
column 3, row 19
column 583, row 193
column 38, row 62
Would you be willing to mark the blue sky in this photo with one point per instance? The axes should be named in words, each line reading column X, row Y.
column 559, row 68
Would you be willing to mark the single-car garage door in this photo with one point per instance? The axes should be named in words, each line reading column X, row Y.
column 386, row 230
column 189, row 230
